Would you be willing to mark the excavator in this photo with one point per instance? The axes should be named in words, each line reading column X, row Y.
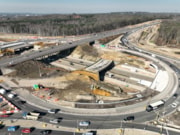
column 96, row 90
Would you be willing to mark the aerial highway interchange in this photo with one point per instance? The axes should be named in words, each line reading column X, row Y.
column 113, row 117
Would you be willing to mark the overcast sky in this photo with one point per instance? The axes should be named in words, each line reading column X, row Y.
column 88, row 6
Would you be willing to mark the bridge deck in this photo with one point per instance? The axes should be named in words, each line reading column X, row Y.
column 99, row 66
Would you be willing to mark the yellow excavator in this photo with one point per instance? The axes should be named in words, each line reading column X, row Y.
column 96, row 90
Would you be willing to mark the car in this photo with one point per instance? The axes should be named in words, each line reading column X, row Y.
column 174, row 105
column 2, row 91
column 84, row 123
column 175, row 95
column 129, row 118
column 4, row 115
column 11, row 95
column 45, row 132
column 2, row 126
column 26, row 130
column 21, row 102
column 52, row 111
column 71, row 63
column 55, row 121
column 11, row 62
column 12, row 128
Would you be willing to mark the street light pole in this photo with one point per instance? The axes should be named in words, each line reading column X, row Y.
column 120, row 130
column 39, row 69
column 167, row 131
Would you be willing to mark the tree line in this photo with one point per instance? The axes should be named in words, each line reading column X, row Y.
column 169, row 33
column 74, row 24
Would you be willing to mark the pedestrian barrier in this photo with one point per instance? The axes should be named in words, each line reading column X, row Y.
column 11, row 105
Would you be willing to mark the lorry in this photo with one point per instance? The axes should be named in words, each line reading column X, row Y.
column 30, row 115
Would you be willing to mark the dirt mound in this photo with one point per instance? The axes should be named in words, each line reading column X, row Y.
column 86, row 52
column 147, row 39
column 148, row 36
column 111, row 55
column 108, row 39
column 76, row 87
column 35, row 69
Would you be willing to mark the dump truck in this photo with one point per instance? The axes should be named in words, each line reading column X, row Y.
column 31, row 115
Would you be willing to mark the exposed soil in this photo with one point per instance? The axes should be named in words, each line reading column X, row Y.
column 146, row 39
column 76, row 87
column 86, row 52
column 68, row 85
column 35, row 69
column 123, row 58
column 108, row 39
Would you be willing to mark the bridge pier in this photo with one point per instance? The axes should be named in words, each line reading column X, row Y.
column 1, row 73
column 91, row 43
column 103, row 72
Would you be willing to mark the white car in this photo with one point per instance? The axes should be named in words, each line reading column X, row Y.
column 52, row 111
column 2, row 91
column 11, row 95
column 84, row 123
column 55, row 121
column 174, row 105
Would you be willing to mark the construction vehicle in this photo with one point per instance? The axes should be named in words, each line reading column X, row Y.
column 30, row 115
column 101, row 92
column 96, row 90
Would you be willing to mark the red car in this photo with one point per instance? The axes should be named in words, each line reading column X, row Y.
column 26, row 130
column 4, row 115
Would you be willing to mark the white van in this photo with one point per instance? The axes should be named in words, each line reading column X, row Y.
column 2, row 91
column 10, row 95
column 84, row 123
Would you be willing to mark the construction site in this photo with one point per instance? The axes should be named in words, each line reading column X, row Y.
column 86, row 74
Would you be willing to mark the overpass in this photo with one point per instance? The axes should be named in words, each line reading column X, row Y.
column 99, row 66
column 25, row 45
column 94, row 70
column 55, row 49
column 4, row 46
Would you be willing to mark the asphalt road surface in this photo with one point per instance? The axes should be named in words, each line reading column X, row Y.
column 35, row 131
